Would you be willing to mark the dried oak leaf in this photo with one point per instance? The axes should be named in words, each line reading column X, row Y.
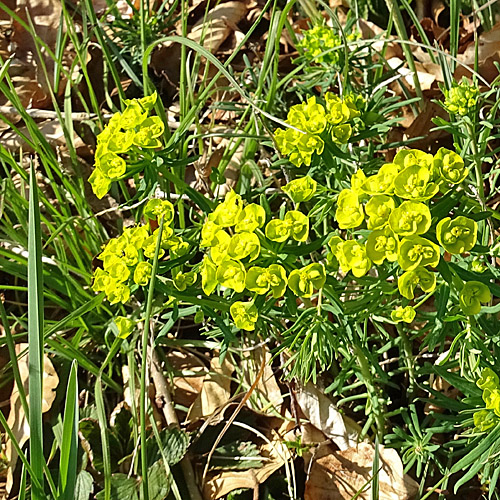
column 186, row 388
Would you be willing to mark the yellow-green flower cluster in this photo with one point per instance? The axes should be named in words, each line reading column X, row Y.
column 394, row 204
column 472, row 295
column 311, row 123
column 489, row 384
column 125, row 326
column 319, row 44
column 125, row 135
column 406, row 314
column 126, row 258
column 318, row 40
column 461, row 98
column 234, row 234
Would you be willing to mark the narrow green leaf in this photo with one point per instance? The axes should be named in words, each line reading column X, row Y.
column 35, row 337
column 103, row 426
column 375, row 470
column 480, row 446
column 69, row 446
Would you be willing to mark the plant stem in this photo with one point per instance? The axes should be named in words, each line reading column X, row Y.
column 408, row 352
column 477, row 165
column 372, row 392
column 144, row 366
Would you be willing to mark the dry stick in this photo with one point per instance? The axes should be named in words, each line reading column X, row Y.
column 246, row 397
column 163, row 390
column 47, row 114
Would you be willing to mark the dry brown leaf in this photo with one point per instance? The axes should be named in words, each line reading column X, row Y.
column 425, row 78
column 11, row 4
column 437, row 7
column 321, row 412
column 276, row 453
column 186, row 388
column 439, row 384
column 216, row 390
column 370, row 31
column 24, row 79
column 124, row 7
column 267, row 389
column 212, row 30
column 133, row 400
column 51, row 130
column 311, row 435
column 100, row 6
column 232, row 171
column 339, row 475
column 421, row 125
column 488, row 54
column 17, row 421
column 434, row 32
column 46, row 18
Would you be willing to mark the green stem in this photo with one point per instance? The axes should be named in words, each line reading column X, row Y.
column 477, row 165
column 399, row 23
column 144, row 366
column 143, row 40
column 372, row 392
column 408, row 352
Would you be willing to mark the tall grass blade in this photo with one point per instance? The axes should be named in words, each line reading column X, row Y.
column 69, row 446
column 454, row 30
column 35, row 338
column 106, row 458
column 402, row 33
column 375, row 471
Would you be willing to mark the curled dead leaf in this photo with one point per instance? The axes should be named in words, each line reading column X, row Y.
column 488, row 55
column 274, row 451
column 17, row 420
column 321, row 412
column 186, row 388
column 267, row 392
column 212, row 30
column 339, row 475
column 216, row 390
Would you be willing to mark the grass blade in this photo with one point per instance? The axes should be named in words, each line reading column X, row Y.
column 35, row 338
column 69, row 446
column 106, row 457
column 401, row 30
